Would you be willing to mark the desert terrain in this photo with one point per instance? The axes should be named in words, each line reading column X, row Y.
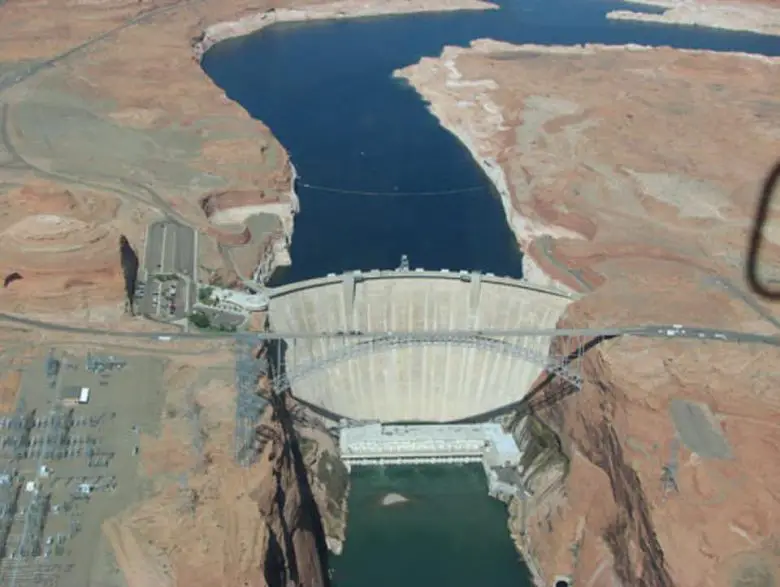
column 643, row 202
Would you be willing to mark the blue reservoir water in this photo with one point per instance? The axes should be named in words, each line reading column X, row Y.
column 326, row 91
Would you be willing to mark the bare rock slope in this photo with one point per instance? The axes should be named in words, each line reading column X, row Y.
column 631, row 174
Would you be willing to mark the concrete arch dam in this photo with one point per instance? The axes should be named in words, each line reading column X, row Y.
column 398, row 377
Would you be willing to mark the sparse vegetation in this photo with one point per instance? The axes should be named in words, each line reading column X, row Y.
column 204, row 295
column 200, row 319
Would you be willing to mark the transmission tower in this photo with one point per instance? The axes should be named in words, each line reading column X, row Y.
column 249, row 405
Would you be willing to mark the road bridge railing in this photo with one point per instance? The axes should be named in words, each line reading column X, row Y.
column 647, row 331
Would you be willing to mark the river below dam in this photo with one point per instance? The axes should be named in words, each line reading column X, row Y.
column 397, row 183
column 448, row 532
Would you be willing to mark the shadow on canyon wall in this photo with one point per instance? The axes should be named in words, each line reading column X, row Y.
column 586, row 424
column 297, row 553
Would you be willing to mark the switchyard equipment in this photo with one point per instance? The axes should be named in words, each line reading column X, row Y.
column 9, row 496
column 57, row 434
column 21, row 426
column 249, row 405
column 101, row 363
column 52, row 366
column 36, row 512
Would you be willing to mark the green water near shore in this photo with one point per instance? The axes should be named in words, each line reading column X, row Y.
column 449, row 533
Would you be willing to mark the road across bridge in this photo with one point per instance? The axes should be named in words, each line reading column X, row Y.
column 644, row 330
column 432, row 346
column 387, row 341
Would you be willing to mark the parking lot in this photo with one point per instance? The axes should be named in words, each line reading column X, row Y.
column 170, row 248
column 68, row 460
column 168, row 299
column 170, row 267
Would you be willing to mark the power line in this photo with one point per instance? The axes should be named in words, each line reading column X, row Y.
column 324, row 188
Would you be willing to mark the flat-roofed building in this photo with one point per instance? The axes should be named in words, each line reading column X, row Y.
column 75, row 394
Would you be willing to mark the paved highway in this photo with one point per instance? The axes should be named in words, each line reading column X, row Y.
column 649, row 331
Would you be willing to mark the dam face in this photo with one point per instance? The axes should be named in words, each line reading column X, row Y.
column 387, row 379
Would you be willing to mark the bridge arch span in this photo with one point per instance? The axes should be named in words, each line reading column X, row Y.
column 406, row 378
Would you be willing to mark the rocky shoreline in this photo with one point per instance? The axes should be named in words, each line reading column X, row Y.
column 341, row 9
column 334, row 10
column 479, row 125
column 738, row 16
column 480, row 130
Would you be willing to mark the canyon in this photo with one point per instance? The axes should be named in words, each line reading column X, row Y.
column 628, row 174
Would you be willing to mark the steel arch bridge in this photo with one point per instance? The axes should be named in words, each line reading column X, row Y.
column 354, row 345
column 560, row 366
